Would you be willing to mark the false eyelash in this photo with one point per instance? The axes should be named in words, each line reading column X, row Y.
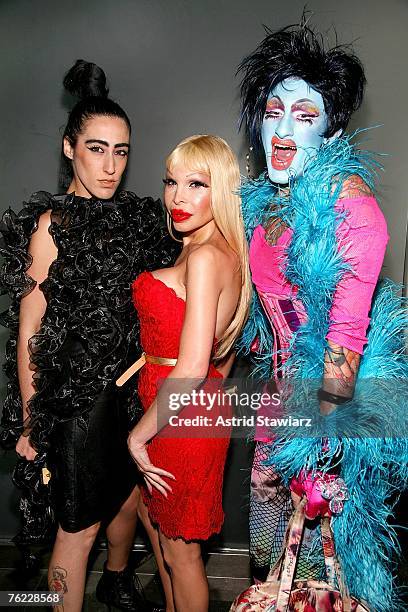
column 271, row 114
column 308, row 120
column 200, row 184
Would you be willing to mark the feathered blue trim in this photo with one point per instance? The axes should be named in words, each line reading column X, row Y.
column 257, row 327
column 373, row 468
column 257, row 196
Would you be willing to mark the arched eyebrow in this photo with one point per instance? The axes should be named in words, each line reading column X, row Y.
column 106, row 143
column 305, row 105
column 197, row 172
column 275, row 102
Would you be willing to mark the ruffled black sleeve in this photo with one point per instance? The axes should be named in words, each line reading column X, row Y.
column 16, row 231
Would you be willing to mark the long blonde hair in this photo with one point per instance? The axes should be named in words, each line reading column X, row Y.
column 213, row 156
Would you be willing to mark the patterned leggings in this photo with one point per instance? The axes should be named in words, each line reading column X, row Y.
column 269, row 513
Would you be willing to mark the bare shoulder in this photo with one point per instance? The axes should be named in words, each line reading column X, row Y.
column 44, row 222
column 355, row 187
column 211, row 257
column 41, row 241
column 204, row 254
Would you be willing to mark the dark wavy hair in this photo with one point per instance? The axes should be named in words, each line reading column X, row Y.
column 86, row 81
column 298, row 52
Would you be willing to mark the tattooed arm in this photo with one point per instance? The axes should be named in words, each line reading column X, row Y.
column 362, row 238
column 340, row 372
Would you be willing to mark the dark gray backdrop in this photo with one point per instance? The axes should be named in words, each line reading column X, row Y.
column 171, row 65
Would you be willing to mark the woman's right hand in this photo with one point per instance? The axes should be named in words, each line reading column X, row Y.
column 151, row 473
column 24, row 448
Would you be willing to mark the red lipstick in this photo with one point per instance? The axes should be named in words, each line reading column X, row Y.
column 283, row 152
column 178, row 215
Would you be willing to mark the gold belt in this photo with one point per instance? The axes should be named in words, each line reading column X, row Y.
column 166, row 361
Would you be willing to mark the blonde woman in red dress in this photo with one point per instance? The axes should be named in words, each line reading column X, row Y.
column 191, row 315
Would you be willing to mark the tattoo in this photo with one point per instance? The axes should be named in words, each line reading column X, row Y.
column 274, row 229
column 354, row 187
column 336, row 357
column 340, row 370
column 58, row 584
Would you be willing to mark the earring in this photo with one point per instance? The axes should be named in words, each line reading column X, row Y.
column 247, row 164
column 170, row 227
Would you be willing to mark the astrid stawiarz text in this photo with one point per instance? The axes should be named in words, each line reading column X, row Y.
column 238, row 421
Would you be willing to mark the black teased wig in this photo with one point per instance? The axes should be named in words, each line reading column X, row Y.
column 298, row 52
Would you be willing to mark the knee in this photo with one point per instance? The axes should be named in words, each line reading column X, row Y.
column 180, row 561
column 80, row 541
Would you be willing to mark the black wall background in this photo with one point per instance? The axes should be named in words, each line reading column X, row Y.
column 171, row 64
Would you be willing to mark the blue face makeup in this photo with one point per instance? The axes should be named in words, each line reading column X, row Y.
column 292, row 129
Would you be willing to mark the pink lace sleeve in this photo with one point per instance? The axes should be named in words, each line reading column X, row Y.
column 362, row 238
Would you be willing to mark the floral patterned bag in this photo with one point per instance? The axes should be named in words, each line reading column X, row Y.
column 280, row 593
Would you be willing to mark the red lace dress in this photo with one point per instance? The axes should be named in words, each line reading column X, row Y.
column 193, row 511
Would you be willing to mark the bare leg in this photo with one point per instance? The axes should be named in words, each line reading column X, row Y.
column 67, row 569
column 190, row 586
column 155, row 542
column 121, row 532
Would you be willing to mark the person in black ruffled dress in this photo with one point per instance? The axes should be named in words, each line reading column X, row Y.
column 69, row 263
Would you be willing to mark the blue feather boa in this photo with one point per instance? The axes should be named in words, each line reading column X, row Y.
column 375, row 469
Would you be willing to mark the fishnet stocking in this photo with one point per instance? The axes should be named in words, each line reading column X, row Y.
column 269, row 513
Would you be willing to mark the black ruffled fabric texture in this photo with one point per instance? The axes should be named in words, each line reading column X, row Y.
column 89, row 333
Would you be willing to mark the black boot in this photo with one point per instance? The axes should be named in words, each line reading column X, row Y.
column 118, row 590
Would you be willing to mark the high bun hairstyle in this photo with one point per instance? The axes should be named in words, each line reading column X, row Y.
column 298, row 52
column 87, row 82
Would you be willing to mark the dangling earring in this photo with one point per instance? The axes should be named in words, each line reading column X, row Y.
column 170, row 227
column 247, row 164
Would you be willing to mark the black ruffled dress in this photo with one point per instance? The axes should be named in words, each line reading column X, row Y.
column 88, row 336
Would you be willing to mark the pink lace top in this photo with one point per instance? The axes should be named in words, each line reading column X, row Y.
column 362, row 237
